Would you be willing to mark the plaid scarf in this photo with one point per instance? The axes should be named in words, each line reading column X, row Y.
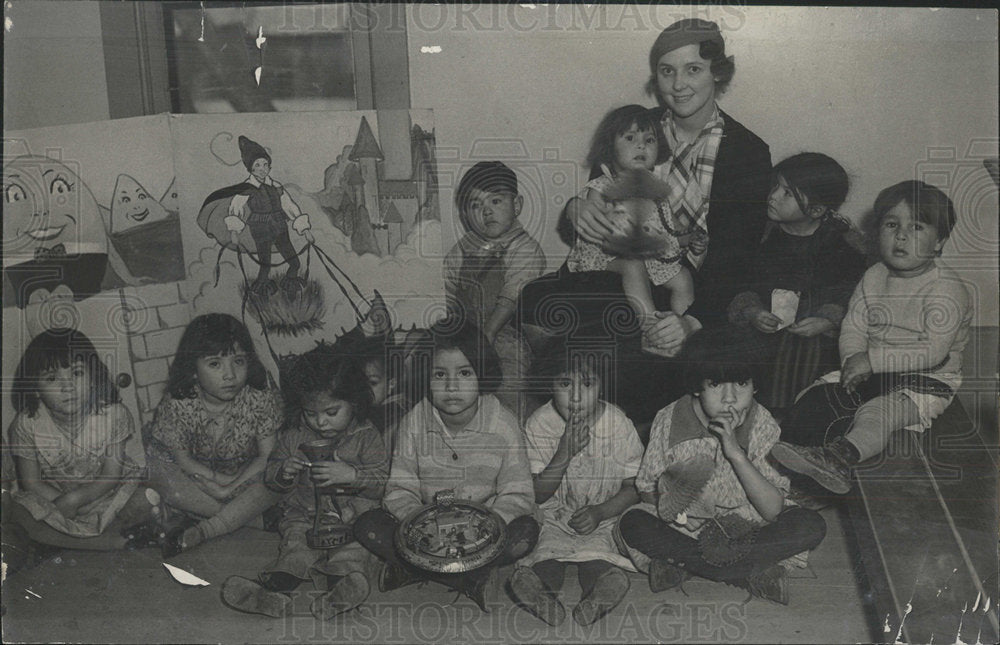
column 689, row 175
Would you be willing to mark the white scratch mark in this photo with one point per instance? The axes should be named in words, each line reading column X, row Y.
column 979, row 595
column 961, row 620
column 886, row 628
column 986, row 608
column 528, row 6
column 32, row 593
column 201, row 38
column 256, row 75
column 8, row 24
column 185, row 578
column 260, row 37
column 432, row 49
column 899, row 632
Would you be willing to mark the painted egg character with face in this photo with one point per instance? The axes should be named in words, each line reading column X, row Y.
column 170, row 199
column 145, row 234
column 53, row 233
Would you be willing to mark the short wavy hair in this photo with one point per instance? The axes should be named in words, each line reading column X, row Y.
column 212, row 335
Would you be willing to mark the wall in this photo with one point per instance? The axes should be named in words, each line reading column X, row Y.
column 53, row 64
column 890, row 93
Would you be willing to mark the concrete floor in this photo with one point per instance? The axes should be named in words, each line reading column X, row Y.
column 129, row 598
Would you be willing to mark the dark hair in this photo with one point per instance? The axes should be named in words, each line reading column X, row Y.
column 455, row 332
column 369, row 350
column 327, row 370
column 487, row 176
column 212, row 335
column 722, row 67
column 815, row 180
column 558, row 357
column 927, row 203
column 727, row 354
column 61, row 347
column 614, row 124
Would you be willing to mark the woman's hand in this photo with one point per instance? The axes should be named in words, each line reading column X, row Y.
column 763, row 320
column 590, row 219
column 577, row 435
column 812, row 326
column 585, row 520
column 670, row 331
column 857, row 368
column 329, row 473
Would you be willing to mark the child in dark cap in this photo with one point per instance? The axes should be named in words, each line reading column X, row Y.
column 487, row 267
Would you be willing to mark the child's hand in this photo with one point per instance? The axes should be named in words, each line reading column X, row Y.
column 577, row 435
column 812, row 326
column 212, row 489
column 291, row 467
column 328, row 473
column 724, row 427
column 857, row 368
column 585, row 520
column 763, row 320
column 68, row 505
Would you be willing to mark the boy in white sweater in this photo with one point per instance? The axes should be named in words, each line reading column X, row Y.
column 900, row 344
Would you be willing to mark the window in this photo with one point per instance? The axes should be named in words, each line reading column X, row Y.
column 202, row 57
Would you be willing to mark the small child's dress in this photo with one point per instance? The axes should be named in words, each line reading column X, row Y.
column 587, row 256
column 363, row 449
column 592, row 477
column 67, row 461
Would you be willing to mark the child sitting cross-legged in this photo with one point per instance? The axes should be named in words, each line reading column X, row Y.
column 720, row 509
column 584, row 454
column 333, row 400
column 76, row 486
column 901, row 345
column 458, row 439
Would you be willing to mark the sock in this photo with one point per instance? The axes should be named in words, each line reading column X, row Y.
column 846, row 450
column 213, row 527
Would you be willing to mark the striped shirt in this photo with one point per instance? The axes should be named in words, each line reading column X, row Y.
column 486, row 462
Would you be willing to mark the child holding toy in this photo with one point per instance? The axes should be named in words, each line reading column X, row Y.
column 333, row 400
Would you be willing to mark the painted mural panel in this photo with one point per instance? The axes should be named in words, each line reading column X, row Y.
column 302, row 217
column 89, row 208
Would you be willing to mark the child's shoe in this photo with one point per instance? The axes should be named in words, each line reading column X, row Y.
column 770, row 584
column 829, row 466
column 349, row 592
column 665, row 575
column 144, row 535
column 609, row 589
column 529, row 590
column 243, row 594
